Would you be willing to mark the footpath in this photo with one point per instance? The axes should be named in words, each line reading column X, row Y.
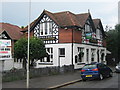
column 46, row 81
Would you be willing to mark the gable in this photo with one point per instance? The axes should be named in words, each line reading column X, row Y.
column 46, row 29
column 43, row 25
column 89, row 25
column 12, row 30
column 4, row 35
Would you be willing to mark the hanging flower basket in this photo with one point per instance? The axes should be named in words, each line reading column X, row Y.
column 81, row 54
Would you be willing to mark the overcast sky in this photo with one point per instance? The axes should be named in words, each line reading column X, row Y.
column 17, row 12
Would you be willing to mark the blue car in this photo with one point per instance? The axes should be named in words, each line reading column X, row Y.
column 95, row 71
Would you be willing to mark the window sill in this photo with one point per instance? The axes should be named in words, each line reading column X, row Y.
column 45, row 63
column 61, row 56
column 80, row 63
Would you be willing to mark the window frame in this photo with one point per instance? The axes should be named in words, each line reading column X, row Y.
column 63, row 52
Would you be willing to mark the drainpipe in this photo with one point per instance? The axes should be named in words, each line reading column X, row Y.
column 72, row 46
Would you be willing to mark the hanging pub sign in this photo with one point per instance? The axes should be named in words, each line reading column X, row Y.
column 93, row 41
column 5, row 49
column 88, row 35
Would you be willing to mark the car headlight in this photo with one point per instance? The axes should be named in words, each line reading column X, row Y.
column 117, row 67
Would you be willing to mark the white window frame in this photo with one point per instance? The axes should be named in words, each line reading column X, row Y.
column 61, row 55
column 43, row 28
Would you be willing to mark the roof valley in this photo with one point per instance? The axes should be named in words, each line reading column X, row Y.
column 71, row 18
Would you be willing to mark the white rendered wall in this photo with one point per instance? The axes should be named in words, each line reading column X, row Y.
column 84, row 57
column 58, row 61
column 67, row 60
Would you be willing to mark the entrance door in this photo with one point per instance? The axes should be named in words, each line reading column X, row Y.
column 87, row 55
column 98, row 56
column 61, row 59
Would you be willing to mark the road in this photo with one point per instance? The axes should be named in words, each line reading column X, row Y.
column 111, row 82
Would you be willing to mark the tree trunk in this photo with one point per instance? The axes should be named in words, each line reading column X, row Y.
column 24, row 63
column 32, row 63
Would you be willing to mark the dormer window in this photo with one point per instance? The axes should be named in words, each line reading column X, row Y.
column 98, row 33
column 41, row 28
column 87, row 28
column 46, row 28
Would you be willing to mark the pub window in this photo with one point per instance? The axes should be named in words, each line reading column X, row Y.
column 48, row 49
column 62, row 52
column 87, row 28
column 51, row 50
column 76, row 58
column 41, row 28
column 50, row 28
column 50, row 54
column 45, row 28
column 98, row 34
column 80, row 54
column 48, row 58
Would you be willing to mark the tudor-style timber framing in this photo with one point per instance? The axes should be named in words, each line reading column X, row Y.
column 47, row 30
column 80, row 37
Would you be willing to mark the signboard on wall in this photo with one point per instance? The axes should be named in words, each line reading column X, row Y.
column 88, row 35
column 5, row 49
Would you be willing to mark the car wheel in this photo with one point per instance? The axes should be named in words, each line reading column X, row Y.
column 100, row 77
column 83, row 79
column 110, row 74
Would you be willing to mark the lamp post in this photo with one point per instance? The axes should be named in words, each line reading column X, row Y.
column 28, row 49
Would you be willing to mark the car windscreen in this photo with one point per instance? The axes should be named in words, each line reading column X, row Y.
column 89, row 66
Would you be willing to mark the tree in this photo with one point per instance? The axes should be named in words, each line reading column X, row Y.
column 113, row 42
column 20, row 50
column 117, row 27
column 37, row 50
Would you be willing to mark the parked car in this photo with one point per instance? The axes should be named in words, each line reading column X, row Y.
column 117, row 68
column 95, row 71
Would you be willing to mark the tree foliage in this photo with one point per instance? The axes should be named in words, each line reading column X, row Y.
column 37, row 50
column 20, row 49
column 113, row 42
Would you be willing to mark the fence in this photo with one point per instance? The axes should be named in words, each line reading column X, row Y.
column 35, row 72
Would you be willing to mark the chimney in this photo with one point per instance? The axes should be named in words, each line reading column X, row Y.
column 88, row 10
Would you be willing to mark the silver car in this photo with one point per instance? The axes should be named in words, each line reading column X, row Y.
column 117, row 68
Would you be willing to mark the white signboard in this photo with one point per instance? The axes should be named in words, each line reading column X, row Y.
column 5, row 49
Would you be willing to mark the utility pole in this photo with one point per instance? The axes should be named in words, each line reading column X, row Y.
column 28, row 50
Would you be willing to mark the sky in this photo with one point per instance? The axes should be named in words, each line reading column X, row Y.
column 16, row 11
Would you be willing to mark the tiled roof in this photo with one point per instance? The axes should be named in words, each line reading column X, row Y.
column 82, row 18
column 12, row 30
column 68, row 18
column 96, row 22
column 65, row 18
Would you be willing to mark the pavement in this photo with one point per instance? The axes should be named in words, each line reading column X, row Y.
column 49, row 82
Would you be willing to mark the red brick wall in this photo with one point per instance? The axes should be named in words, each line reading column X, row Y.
column 65, row 36
column 104, row 42
column 77, row 36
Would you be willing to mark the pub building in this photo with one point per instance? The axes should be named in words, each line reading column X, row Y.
column 70, row 39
